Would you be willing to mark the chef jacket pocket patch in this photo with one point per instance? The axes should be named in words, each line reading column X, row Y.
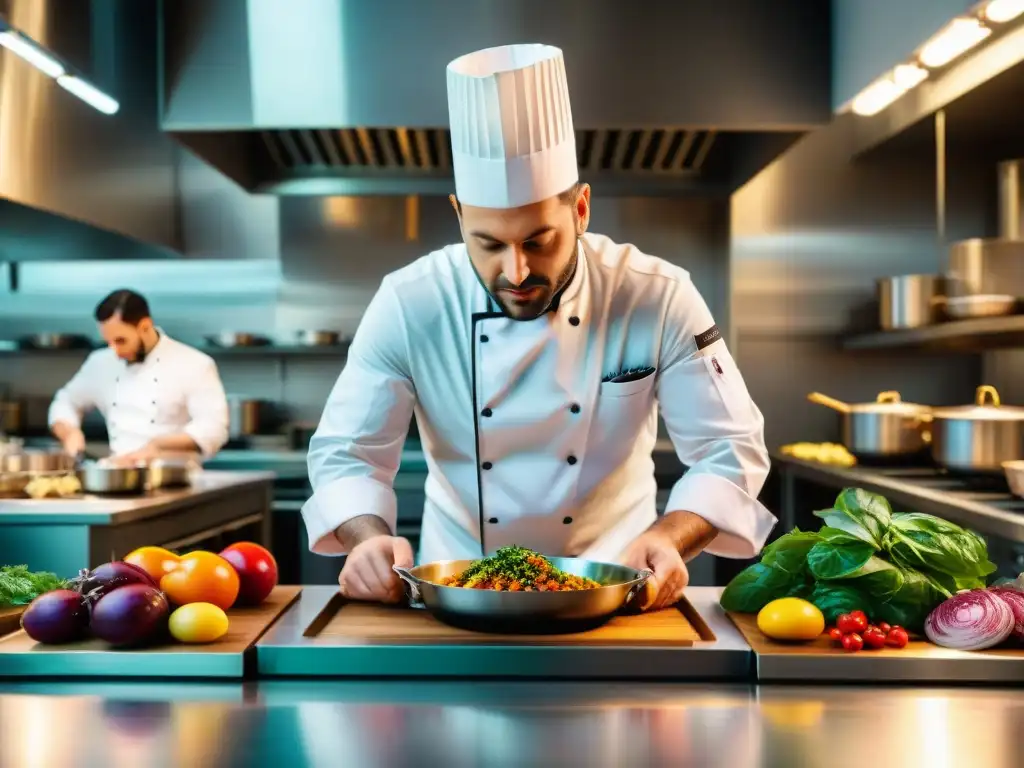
column 627, row 383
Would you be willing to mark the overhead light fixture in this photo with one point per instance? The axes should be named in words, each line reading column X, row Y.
column 1001, row 11
column 91, row 95
column 19, row 46
column 907, row 76
column 959, row 36
column 877, row 97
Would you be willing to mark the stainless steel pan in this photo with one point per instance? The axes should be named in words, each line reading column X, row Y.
column 104, row 479
column 525, row 612
column 887, row 427
column 979, row 437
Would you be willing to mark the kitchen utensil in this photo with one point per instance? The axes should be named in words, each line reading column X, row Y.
column 169, row 473
column 317, row 338
column 231, row 339
column 56, row 341
column 1014, row 471
column 34, row 460
column 540, row 612
column 906, row 301
column 886, row 427
column 12, row 417
column 246, row 416
column 979, row 437
column 985, row 305
column 105, row 479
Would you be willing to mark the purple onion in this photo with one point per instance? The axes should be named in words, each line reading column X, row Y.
column 970, row 621
column 110, row 576
column 1015, row 599
column 56, row 617
column 130, row 615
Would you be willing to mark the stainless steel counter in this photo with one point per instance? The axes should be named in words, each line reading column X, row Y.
column 505, row 724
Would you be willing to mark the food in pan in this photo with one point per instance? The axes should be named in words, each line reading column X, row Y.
column 44, row 486
column 516, row 569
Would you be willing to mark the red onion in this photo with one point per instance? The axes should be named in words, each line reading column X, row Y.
column 130, row 615
column 1015, row 599
column 970, row 621
column 56, row 617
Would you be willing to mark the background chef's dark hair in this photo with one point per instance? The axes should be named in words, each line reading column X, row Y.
column 131, row 306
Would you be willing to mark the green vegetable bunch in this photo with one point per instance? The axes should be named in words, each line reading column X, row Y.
column 896, row 567
column 20, row 586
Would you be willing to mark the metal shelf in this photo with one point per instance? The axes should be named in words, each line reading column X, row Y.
column 336, row 351
column 963, row 336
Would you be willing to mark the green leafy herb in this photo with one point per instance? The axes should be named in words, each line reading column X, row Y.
column 20, row 586
column 756, row 586
column 832, row 560
column 835, row 598
column 933, row 544
column 789, row 551
column 912, row 603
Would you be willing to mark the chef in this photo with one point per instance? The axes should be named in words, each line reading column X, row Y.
column 158, row 396
column 535, row 357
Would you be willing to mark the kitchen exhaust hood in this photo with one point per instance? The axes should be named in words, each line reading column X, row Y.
column 349, row 97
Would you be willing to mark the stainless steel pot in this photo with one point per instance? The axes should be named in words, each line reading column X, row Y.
column 12, row 417
column 887, row 427
column 491, row 611
column 979, row 437
column 105, row 479
column 246, row 416
column 169, row 473
column 908, row 301
column 982, row 305
column 57, row 341
column 317, row 338
column 27, row 460
column 231, row 339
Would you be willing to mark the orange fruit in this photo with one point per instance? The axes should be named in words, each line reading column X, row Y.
column 156, row 561
column 202, row 577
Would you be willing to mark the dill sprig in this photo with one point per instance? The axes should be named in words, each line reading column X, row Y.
column 20, row 586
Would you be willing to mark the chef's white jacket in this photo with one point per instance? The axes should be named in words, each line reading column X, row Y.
column 175, row 389
column 527, row 440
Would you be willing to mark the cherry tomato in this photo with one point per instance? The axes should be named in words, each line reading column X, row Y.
column 884, row 627
column 256, row 568
column 897, row 638
column 860, row 615
column 852, row 622
column 852, row 642
column 874, row 637
column 198, row 623
column 835, row 634
column 202, row 577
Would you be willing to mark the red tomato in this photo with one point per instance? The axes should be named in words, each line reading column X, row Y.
column 835, row 634
column 897, row 638
column 852, row 622
column 859, row 615
column 257, row 571
column 874, row 637
column 884, row 627
column 202, row 577
column 852, row 642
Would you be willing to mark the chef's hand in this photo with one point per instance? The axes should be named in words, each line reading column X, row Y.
column 74, row 442
column 145, row 454
column 367, row 574
column 657, row 552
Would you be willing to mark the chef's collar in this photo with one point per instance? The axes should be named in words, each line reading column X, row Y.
column 566, row 294
column 160, row 336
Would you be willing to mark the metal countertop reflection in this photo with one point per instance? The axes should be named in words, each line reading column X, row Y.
column 302, row 723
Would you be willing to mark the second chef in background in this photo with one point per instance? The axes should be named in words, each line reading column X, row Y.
column 157, row 395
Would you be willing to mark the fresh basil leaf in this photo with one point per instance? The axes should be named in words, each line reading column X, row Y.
column 872, row 510
column 756, row 586
column 837, row 536
column 935, row 545
column 839, row 520
column 835, row 561
column 789, row 551
column 836, row 598
column 878, row 578
column 911, row 604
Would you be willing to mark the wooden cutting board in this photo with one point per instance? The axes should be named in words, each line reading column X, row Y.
column 21, row 655
column 354, row 623
column 920, row 660
column 10, row 619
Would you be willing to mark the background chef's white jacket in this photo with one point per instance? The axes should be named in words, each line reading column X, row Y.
column 175, row 389
column 525, row 441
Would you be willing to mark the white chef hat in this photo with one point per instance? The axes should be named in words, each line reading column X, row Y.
column 512, row 135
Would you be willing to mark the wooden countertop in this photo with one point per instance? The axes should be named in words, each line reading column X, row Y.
column 106, row 510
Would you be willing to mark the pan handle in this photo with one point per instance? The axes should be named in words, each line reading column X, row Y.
column 413, row 583
column 828, row 402
column 637, row 588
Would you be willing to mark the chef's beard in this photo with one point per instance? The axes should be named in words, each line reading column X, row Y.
column 547, row 293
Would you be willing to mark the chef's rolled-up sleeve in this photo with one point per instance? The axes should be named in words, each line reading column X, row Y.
column 715, row 427
column 207, row 409
column 357, row 447
column 78, row 396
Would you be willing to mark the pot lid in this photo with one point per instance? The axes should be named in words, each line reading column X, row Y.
column 987, row 407
column 889, row 402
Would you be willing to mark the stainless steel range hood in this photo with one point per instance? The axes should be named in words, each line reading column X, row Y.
column 349, row 97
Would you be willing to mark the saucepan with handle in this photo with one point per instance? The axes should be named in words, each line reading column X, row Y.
column 489, row 610
column 887, row 427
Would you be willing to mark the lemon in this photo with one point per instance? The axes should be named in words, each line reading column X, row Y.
column 198, row 623
column 790, row 618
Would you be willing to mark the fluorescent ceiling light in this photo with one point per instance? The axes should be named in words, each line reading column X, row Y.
column 19, row 46
column 906, row 76
column 89, row 94
column 877, row 97
column 959, row 36
column 1000, row 11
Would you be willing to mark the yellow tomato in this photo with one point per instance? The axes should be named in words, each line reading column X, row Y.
column 790, row 618
column 198, row 623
